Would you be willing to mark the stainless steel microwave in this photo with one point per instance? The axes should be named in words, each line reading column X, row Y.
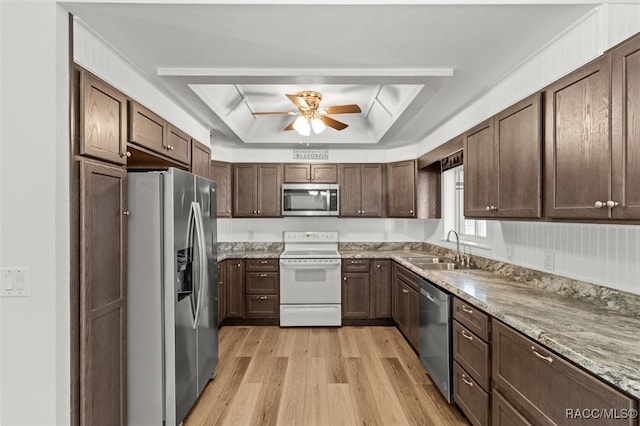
column 310, row 199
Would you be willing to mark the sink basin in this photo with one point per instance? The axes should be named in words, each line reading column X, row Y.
column 439, row 266
column 423, row 259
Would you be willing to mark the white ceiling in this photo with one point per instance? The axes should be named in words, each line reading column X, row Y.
column 409, row 67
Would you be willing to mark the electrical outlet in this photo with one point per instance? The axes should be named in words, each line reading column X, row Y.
column 549, row 260
column 510, row 250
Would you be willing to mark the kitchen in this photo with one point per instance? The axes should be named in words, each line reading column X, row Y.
column 36, row 355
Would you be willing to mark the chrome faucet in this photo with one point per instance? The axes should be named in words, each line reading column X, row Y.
column 457, row 258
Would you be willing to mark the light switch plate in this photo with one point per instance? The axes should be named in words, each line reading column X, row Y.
column 549, row 260
column 16, row 282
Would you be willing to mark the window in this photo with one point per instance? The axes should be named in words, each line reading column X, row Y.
column 470, row 230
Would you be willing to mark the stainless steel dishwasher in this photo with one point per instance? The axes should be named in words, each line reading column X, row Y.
column 435, row 336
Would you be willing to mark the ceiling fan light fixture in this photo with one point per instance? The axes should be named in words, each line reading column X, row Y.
column 302, row 126
column 317, row 125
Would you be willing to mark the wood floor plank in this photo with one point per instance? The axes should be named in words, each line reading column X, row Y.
column 341, row 411
column 316, row 395
column 297, row 389
column 361, row 393
column 292, row 405
column 266, row 410
column 243, row 406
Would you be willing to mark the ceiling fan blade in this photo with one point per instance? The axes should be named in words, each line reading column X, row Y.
column 290, row 126
column 342, row 109
column 298, row 101
column 335, row 124
column 275, row 113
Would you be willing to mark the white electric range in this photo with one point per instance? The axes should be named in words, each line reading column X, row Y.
column 310, row 289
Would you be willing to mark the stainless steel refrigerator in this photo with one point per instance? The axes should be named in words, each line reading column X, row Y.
column 172, row 329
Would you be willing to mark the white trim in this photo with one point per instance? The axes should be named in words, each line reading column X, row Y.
column 305, row 72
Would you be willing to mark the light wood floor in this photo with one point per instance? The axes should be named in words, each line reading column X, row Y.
column 320, row 376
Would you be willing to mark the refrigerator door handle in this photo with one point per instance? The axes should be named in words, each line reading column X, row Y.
column 203, row 260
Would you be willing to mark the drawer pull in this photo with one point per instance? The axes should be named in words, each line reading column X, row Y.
column 263, row 275
column 264, row 262
column 356, row 262
column 238, row 265
column 378, row 266
column 546, row 358
column 263, row 297
column 404, row 290
column 467, row 381
column 467, row 310
column 467, row 335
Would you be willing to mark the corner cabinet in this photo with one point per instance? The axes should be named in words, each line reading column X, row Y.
column 503, row 163
column 256, row 190
column 221, row 173
column 401, row 189
column 578, row 143
column 103, row 120
column 361, row 190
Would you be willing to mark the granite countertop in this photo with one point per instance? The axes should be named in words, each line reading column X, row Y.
column 602, row 341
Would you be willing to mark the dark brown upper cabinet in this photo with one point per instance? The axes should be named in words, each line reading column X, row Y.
column 310, row 173
column 103, row 115
column 625, row 77
column 200, row 159
column 360, row 190
column 256, row 189
column 401, row 189
column 503, row 163
column 221, row 173
column 578, row 143
column 147, row 129
column 178, row 145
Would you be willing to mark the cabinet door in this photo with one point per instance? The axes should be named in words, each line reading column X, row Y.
column 103, row 113
column 103, row 310
column 413, row 317
column 350, row 189
column 221, row 174
column 355, row 295
column 178, row 145
column 505, row 414
column 371, row 197
column 269, row 182
column 297, row 173
column 324, row 173
column 401, row 189
column 381, row 283
column 625, row 65
column 235, row 288
column 245, row 190
column 578, row 143
column 222, row 292
column 518, row 144
column 478, row 171
column 147, row 129
column 200, row 159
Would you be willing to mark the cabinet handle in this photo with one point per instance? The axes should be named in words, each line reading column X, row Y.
column 264, row 262
column 599, row 204
column 411, row 211
column 344, row 279
column 263, row 297
column 546, row 358
column 258, row 211
column 238, row 265
column 488, row 208
column 612, row 204
column 466, row 335
column 255, row 212
column 467, row 310
column 171, row 147
column 128, row 154
column 469, row 382
column 404, row 290
column 126, row 212
column 378, row 266
column 362, row 212
column 356, row 262
column 263, row 275
column 359, row 211
column 229, row 211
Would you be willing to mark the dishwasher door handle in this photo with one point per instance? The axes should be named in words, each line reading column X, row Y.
column 428, row 296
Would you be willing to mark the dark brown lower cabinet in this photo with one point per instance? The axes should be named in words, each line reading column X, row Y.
column 381, row 286
column 262, row 306
column 405, row 294
column 472, row 354
column 470, row 397
column 356, row 301
column 503, row 413
column 103, row 322
column 234, row 275
column 545, row 388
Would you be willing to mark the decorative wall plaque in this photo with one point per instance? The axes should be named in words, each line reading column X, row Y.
column 310, row 154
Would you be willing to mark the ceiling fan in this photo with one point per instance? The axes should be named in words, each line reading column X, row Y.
column 311, row 115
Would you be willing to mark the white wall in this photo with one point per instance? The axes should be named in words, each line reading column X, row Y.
column 608, row 255
column 34, row 226
column 262, row 230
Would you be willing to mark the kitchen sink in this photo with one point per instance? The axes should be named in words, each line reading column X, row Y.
column 432, row 263
column 439, row 266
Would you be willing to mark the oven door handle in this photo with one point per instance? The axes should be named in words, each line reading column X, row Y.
column 299, row 265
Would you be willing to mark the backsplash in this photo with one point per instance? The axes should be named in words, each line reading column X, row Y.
column 374, row 229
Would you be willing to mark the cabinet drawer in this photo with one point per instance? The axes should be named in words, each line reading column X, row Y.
column 472, row 354
column 355, row 265
column 408, row 277
column 544, row 385
column 472, row 318
column 146, row 128
column 470, row 397
column 262, row 265
column 264, row 306
column 503, row 413
column 262, row 282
